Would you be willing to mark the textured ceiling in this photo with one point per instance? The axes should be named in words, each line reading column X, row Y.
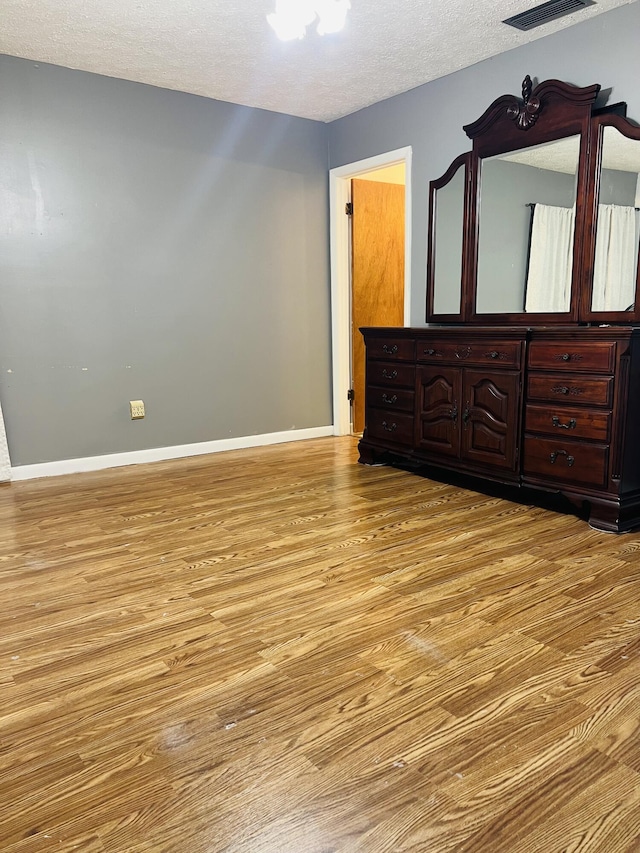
column 618, row 153
column 227, row 51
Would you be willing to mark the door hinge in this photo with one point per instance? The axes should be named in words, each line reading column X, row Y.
column 351, row 395
column 348, row 208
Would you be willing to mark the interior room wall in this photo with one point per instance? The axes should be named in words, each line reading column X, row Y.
column 430, row 118
column 617, row 187
column 159, row 246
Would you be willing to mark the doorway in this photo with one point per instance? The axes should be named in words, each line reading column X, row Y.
column 348, row 354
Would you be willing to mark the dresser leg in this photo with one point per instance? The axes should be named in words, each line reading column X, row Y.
column 368, row 456
column 616, row 517
column 610, row 518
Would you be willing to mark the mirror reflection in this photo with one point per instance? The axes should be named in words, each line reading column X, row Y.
column 527, row 215
column 448, row 232
column 618, row 225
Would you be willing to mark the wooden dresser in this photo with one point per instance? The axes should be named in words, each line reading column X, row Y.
column 527, row 372
column 555, row 410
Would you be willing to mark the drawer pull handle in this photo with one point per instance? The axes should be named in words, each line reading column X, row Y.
column 389, row 374
column 388, row 428
column 556, row 423
column 553, row 456
column 389, row 400
column 568, row 356
column 430, row 351
column 564, row 389
column 454, row 414
column 493, row 354
column 390, row 350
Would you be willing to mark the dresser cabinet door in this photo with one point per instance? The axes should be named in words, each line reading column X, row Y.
column 439, row 394
column 468, row 413
column 490, row 418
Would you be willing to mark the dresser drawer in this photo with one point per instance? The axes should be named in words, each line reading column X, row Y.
column 564, row 421
column 390, row 427
column 389, row 374
column 400, row 349
column 594, row 390
column 398, row 399
column 566, row 461
column 495, row 353
column 596, row 357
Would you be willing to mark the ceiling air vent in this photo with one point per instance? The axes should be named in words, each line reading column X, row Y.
column 546, row 12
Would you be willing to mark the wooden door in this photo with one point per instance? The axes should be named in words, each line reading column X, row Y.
column 490, row 422
column 438, row 423
column 377, row 279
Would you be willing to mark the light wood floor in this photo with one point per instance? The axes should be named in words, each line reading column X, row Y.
column 281, row 651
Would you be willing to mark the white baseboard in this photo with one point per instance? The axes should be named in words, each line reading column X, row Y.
column 158, row 454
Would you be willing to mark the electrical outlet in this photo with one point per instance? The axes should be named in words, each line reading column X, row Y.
column 137, row 409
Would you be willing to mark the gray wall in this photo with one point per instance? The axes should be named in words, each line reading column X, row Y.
column 162, row 246
column 617, row 187
column 601, row 50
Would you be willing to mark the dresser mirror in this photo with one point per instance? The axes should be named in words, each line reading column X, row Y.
column 526, row 228
column 549, row 231
column 617, row 219
column 447, row 211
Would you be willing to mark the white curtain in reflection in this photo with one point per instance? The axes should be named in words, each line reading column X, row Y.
column 5, row 462
column 614, row 274
column 550, row 259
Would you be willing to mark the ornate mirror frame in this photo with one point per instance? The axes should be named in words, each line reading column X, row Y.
column 551, row 111
column 460, row 164
column 628, row 131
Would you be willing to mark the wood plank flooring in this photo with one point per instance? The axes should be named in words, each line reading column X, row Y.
column 281, row 651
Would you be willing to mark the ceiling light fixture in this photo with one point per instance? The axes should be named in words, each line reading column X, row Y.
column 292, row 17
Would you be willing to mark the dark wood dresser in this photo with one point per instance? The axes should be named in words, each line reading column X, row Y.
column 551, row 409
column 527, row 372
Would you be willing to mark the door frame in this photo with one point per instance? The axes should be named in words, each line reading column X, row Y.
column 340, row 248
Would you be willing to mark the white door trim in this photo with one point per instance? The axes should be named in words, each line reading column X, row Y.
column 339, row 195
